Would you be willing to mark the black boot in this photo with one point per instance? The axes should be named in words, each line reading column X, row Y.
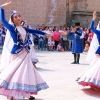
column 74, row 59
column 78, row 57
column 32, row 98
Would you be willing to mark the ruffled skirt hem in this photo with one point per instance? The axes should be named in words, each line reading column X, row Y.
column 91, row 76
column 20, row 79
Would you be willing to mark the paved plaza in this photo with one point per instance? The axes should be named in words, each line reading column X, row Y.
column 57, row 70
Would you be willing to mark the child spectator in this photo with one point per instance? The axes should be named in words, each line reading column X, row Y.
column 59, row 47
column 87, row 45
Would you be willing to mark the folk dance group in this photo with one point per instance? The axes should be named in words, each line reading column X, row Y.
column 91, row 75
column 18, row 77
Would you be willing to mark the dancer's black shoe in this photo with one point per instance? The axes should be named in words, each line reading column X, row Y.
column 77, row 63
column 73, row 63
column 32, row 98
column 77, row 79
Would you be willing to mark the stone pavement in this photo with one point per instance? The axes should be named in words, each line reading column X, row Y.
column 60, row 75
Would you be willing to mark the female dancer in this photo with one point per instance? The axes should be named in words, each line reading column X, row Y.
column 20, row 79
column 32, row 51
column 91, row 76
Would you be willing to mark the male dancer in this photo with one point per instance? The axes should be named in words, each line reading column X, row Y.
column 76, row 43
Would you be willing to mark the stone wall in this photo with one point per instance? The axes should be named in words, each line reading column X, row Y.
column 83, row 10
column 49, row 12
column 70, row 7
column 55, row 12
column 93, row 5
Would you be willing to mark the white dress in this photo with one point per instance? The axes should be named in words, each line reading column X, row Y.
column 20, row 79
column 91, row 75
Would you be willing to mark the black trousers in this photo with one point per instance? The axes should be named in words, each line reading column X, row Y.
column 76, row 57
column 56, row 43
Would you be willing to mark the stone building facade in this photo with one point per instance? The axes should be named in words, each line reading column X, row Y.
column 48, row 12
column 82, row 11
column 54, row 12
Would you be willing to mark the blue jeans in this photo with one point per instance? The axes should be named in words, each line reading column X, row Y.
column 40, row 44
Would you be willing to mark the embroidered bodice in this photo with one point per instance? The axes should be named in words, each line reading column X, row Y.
column 20, row 35
column 22, row 32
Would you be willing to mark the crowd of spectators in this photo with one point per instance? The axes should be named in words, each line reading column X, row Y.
column 60, row 38
column 2, row 34
column 58, row 42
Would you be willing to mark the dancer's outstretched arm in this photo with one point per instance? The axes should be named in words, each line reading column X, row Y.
column 2, row 15
column 38, row 32
column 97, row 32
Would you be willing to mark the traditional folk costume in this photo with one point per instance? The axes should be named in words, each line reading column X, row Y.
column 93, row 47
column 76, row 44
column 20, row 79
column 91, row 76
column 8, row 44
column 32, row 51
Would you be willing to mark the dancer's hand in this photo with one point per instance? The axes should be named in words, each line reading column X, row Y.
column 6, row 4
column 94, row 15
column 73, row 30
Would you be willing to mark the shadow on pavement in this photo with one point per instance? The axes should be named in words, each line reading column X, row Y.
column 91, row 92
column 84, row 64
column 40, row 56
column 41, row 69
column 42, row 63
